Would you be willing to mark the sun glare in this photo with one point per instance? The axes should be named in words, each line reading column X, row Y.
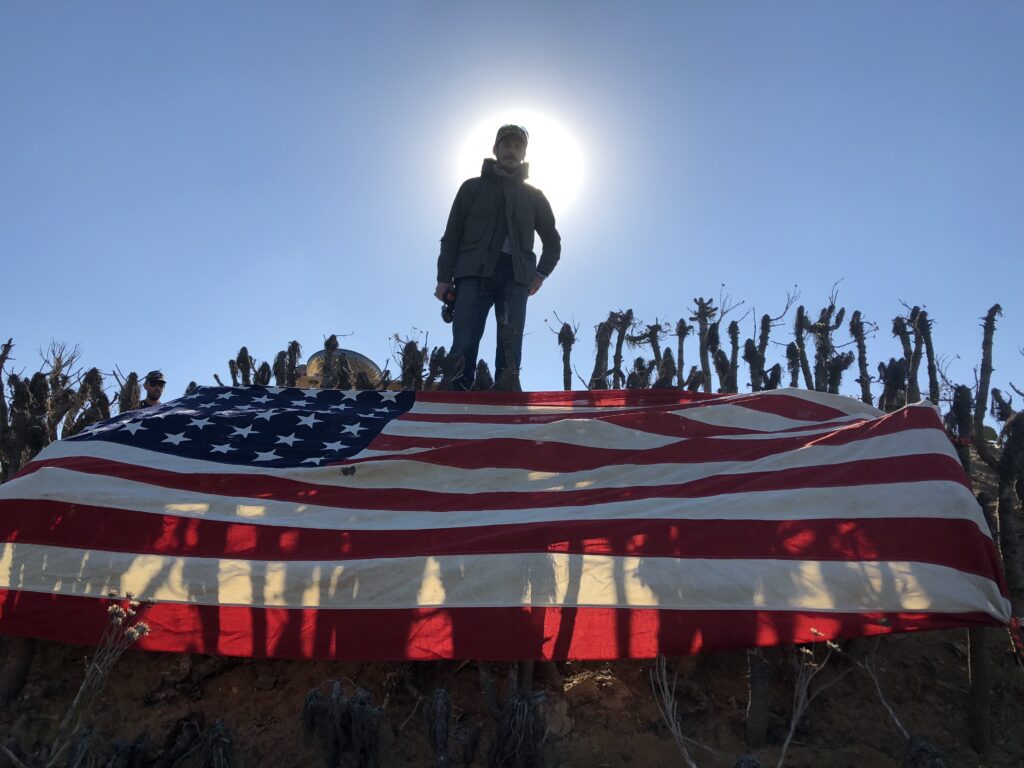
column 556, row 160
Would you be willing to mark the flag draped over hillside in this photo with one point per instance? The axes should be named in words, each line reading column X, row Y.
column 415, row 525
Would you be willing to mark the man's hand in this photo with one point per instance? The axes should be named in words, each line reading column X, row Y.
column 441, row 290
column 538, row 281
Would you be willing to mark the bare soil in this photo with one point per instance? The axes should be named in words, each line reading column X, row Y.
column 604, row 714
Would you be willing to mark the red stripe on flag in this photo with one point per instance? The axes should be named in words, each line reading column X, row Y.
column 954, row 543
column 897, row 469
column 655, row 422
column 559, row 457
column 608, row 398
column 422, row 634
column 789, row 406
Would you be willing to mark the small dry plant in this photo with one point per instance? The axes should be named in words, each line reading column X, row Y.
column 808, row 666
column 665, row 698
column 917, row 751
column 343, row 727
column 520, row 731
column 124, row 628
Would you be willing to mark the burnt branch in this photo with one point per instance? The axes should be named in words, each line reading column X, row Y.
column 651, row 336
column 800, row 326
column 732, row 371
column 901, row 332
column 483, row 380
column 640, row 375
column 683, row 329
column 262, row 376
column 1010, row 470
column 704, row 315
column 413, row 359
column 694, row 380
column 959, row 423
column 984, row 383
column 924, row 328
column 280, row 369
column 98, row 404
column 128, row 398
column 245, row 366
column 603, row 337
column 566, row 339
column 793, row 363
column 666, row 371
column 623, row 323
column 435, row 367
column 893, row 376
column 828, row 367
column 1002, row 407
column 329, row 377
column 755, row 361
column 864, row 378
column 291, row 368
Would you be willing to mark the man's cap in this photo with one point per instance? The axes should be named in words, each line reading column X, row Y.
column 155, row 376
column 512, row 130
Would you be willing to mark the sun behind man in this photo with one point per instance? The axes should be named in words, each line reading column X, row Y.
column 487, row 254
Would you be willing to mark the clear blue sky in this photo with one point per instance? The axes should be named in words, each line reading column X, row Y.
column 181, row 178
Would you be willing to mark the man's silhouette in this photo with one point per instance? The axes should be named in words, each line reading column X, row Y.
column 487, row 254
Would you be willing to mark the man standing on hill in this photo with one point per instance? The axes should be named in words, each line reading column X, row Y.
column 487, row 254
column 154, row 385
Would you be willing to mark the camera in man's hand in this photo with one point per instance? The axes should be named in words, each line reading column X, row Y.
column 448, row 307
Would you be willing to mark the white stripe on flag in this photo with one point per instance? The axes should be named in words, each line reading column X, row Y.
column 417, row 475
column 436, row 408
column 536, row 579
column 929, row 499
column 593, row 433
column 849, row 405
column 747, row 418
column 409, row 473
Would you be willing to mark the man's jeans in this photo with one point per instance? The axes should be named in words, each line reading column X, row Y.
column 474, row 297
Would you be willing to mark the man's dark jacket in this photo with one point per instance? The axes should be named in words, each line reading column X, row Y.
column 479, row 223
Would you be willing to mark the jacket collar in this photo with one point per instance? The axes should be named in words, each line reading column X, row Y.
column 522, row 172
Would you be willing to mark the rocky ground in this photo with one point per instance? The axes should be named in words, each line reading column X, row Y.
column 602, row 715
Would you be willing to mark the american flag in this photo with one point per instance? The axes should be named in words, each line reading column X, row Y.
column 375, row 525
